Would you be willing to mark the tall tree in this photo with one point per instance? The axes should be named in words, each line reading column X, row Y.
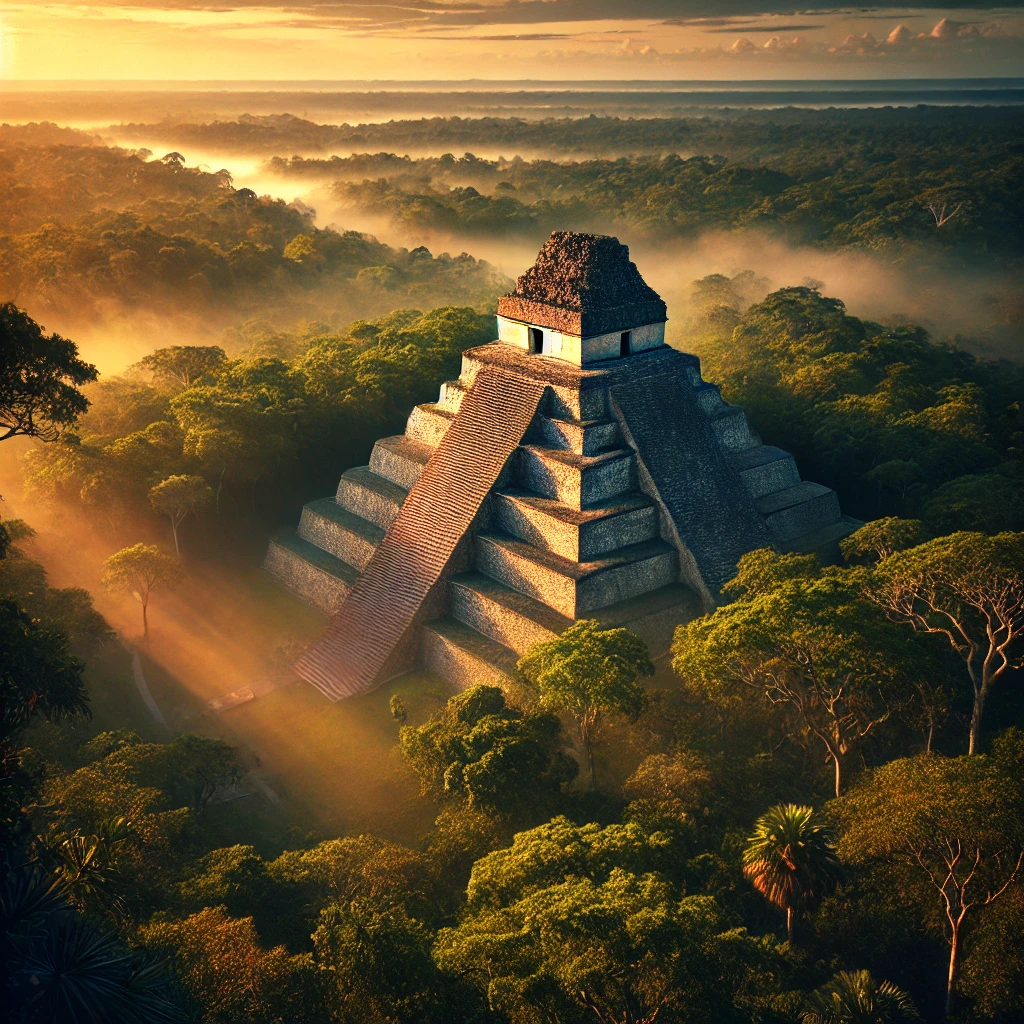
column 623, row 951
column 589, row 671
column 491, row 755
column 791, row 859
column 40, row 377
column 139, row 570
column 969, row 589
column 177, row 497
column 39, row 677
column 958, row 822
column 882, row 538
column 180, row 366
column 812, row 647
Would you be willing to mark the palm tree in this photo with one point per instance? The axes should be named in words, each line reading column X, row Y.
column 854, row 997
column 791, row 859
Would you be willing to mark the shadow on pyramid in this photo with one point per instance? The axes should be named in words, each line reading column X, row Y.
column 578, row 468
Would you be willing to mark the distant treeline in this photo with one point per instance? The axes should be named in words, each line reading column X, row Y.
column 746, row 134
column 871, row 189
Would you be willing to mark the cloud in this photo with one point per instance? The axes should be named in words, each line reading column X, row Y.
column 367, row 14
column 733, row 29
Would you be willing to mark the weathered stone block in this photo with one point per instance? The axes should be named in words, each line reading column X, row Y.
column 366, row 494
column 765, row 469
column 337, row 531
column 799, row 510
column 587, row 437
column 577, row 534
column 511, row 619
column 577, row 480
column 428, row 423
column 574, row 588
column 399, row 459
column 732, row 430
column 463, row 656
column 316, row 577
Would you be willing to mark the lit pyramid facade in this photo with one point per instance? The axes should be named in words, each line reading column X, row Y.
column 578, row 468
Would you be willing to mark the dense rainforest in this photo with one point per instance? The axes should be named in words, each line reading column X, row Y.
column 825, row 709
column 86, row 227
column 810, row 812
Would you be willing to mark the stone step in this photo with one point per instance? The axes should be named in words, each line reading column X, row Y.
column 574, row 588
column 314, row 575
column 339, row 532
column 509, row 618
column 452, row 393
column 709, row 398
column 574, row 533
column 400, row 459
column 463, row 656
column 731, row 428
column 584, row 437
column 799, row 510
column 824, row 540
column 581, row 481
column 365, row 494
column 765, row 469
column 654, row 616
column 428, row 423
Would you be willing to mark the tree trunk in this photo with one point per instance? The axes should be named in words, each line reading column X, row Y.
column 839, row 772
column 976, row 713
column 954, row 972
column 585, row 736
column 220, row 487
column 145, row 622
column 174, row 534
column 789, row 924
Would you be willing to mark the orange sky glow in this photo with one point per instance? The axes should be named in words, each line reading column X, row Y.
column 185, row 40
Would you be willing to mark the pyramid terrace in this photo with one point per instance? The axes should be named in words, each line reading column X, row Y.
column 578, row 468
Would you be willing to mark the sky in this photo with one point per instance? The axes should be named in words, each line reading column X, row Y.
column 343, row 40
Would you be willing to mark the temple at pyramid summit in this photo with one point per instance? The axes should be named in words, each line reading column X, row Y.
column 578, row 468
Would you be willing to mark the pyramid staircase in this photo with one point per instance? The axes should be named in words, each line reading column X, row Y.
column 567, row 532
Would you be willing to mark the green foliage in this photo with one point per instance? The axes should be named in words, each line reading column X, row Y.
column 59, row 967
column 177, row 497
column 624, row 949
column 854, row 997
column 812, row 648
column 479, row 749
column 231, row 978
column 790, row 858
column 40, row 378
column 139, row 570
column 967, row 588
column 367, row 869
column 957, row 823
column 760, row 571
column 549, row 854
column 181, row 366
column 380, row 962
column 882, row 538
column 154, row 233
column 589, row 671
column 882, row 414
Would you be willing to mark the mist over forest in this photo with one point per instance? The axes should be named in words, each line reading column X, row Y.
column 214, row 301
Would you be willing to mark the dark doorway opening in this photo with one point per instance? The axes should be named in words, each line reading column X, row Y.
column 625, row 343
column 536, row 340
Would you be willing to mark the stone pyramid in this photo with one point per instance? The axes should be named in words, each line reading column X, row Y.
column 578, row 468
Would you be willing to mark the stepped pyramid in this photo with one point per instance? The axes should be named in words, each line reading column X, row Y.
column 578, row 468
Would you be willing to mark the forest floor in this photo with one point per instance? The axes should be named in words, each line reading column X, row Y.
column 316, row 770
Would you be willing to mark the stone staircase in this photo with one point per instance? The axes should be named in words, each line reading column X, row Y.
column 567, row 532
